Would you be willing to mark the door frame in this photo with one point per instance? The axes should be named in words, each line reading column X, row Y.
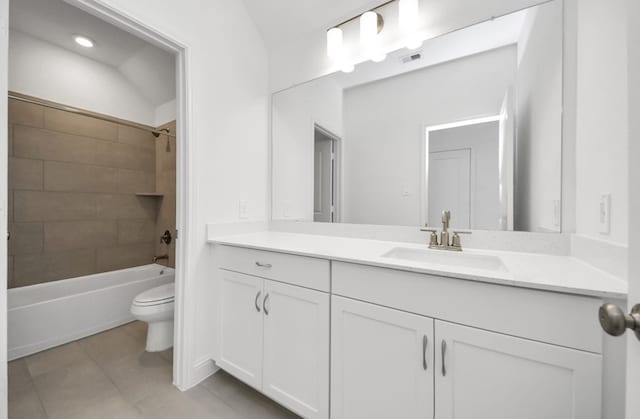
column 424, row 157
column 4, row 162
column 184, row 328
column 337, row 170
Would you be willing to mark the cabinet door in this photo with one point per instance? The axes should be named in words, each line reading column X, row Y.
column 240, row 331
column 381, row 362
column 481, row 374
column 296, row 348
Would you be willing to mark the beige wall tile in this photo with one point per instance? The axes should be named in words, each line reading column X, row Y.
column 72, row 200
column 136, row 231
column 42, row 144
column 136, row 136
column 10, row 140
column 127, row 156
column 71, row 264
column 70, row 123
column 113, row 258
column 119, row 206
column 10, row 283
column 26, row 238
column 31, row 206
column 76, row 177
column 28, row 270
column 25, row 113
column 25, row 174
column 132, row 181
column 10, row 205
column 69, row 235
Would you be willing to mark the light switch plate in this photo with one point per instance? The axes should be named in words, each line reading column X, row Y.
column 605, row 214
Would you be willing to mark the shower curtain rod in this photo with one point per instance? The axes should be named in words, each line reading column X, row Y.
column 77, row 111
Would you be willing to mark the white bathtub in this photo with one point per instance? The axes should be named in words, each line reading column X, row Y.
column 51, row 314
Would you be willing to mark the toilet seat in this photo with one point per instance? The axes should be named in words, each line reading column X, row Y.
column 163, row 294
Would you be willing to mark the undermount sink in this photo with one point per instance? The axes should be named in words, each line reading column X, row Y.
column 447, row 258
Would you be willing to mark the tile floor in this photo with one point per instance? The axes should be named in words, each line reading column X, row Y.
column 110, row 376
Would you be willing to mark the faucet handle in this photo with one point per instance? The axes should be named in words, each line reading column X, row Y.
column 433, row 239
column 455, row 240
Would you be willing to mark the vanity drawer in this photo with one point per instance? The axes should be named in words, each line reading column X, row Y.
column 296, row 270
column 556, row 318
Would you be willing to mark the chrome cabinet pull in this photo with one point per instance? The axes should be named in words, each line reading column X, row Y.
column 264, row 304
column 444, row 352
column 256, row 302
column 425, row 343
column 263, row 265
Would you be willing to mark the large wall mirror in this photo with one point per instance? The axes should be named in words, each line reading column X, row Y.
column 471, row 122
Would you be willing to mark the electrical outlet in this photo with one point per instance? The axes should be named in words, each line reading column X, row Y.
column 242, row 210
column 605, row 214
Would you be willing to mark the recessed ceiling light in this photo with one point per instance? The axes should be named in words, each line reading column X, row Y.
column 83, row 41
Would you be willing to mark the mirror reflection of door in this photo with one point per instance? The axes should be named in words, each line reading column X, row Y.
column 463, row 174
column 324, row 176
column 450, row 186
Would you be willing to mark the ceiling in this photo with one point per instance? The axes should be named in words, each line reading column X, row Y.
column 148, row 68
column 282, row 20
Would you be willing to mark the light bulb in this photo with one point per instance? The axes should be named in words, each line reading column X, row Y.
column 368, row 28
column 83, row 41
column 347, row 68
column 369, row 36
column 408, row 17
column 334, row 43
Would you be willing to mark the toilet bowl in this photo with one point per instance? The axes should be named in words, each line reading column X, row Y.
column 155, row 307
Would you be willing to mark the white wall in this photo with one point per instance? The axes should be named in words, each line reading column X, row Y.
column 44, row 70
column 294, row 112
column 602, row 117
column 385, row 125
column 539, row 121
column 227, row 144
column 304, row 57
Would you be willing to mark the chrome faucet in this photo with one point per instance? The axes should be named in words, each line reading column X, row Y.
column 157, row 258
column 444, row 244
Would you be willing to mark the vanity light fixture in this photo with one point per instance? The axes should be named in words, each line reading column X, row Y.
column 408, row 16
column 371, row 24
column 83, row 41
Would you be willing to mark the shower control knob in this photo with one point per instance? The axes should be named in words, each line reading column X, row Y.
column 166, row 237
column 615, row 322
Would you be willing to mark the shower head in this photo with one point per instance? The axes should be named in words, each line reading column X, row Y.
column 158, row 132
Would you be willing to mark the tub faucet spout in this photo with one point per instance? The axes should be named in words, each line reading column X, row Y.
column 157, row 258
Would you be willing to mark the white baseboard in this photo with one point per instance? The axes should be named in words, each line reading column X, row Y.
column 203, row 369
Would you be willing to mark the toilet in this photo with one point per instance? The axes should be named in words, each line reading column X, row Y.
column 155, row 307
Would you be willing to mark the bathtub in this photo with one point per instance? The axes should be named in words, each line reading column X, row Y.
column 51, row 314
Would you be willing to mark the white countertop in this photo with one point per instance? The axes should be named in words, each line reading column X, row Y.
column 544, row 272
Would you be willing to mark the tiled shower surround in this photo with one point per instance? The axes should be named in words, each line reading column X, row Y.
column 73, row 208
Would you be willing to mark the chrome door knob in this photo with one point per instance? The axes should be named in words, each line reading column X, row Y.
column 615, row 322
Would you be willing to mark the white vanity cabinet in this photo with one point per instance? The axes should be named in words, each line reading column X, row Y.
column 471, row 372
column 390, row 343
column 381, row 362
column 481, row 374
column 275, row 335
